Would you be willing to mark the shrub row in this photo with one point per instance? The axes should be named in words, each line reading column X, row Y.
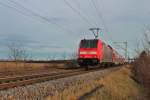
column 141, row 70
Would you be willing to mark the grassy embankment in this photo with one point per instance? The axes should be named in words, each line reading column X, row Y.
column 117, row 85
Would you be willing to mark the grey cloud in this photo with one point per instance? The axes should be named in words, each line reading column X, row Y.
column 119, row 16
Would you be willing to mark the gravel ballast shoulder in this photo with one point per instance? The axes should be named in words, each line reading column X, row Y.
column 39, row 91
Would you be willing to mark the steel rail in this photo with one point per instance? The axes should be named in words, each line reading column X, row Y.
column 11, row 82
column 31, row 79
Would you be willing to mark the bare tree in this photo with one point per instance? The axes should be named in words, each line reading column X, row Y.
column 17, row 53
column 144, row 44
column 141, row 66
column 138, row 48
column 147, row 41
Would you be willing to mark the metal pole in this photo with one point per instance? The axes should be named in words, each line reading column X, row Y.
column 125, row 48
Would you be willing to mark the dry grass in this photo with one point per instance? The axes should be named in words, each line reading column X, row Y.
column 74, row 92
column 12, row 68
column 116, row 86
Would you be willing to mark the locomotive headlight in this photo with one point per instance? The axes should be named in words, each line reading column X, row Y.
column 83, row 52
column 89, row 52
column 92, row 52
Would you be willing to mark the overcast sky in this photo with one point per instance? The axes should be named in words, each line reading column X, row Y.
column 47, row 27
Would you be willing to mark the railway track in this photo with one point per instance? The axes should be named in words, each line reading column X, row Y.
column 11, row 82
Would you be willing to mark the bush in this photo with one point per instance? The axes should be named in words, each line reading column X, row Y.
column 141, row 71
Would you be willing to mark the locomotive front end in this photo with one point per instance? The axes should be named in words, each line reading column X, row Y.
column 88, row 53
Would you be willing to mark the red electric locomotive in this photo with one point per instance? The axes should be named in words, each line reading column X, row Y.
column 95, row 51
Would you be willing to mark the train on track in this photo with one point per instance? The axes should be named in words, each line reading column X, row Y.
column 95, row 51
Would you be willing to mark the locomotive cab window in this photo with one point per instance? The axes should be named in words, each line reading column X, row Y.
column 88, row 44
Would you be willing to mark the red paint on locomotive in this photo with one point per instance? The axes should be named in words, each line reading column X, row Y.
column 95, row 51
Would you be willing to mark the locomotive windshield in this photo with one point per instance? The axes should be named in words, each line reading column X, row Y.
column 88, row 44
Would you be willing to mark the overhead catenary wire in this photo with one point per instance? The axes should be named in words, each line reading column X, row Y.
column 83, row 11
column 30, row 13
column 78, row 12
column 42, row 17
column 100, row 15
column 11, row 7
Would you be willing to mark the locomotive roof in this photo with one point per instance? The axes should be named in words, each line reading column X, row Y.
column 90, row 39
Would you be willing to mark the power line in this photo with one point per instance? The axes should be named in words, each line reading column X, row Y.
column 17, row 10
column 32, row 13
column 83, row 11
column 40, row 16
column 100, row 15
column 76, row 11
